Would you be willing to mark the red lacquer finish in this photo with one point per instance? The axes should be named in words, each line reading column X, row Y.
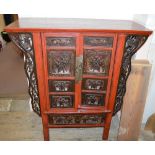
column 79, row 50
column 76, row 25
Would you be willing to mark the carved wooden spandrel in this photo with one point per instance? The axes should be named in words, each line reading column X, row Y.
column 133, row 43
column 25, row 42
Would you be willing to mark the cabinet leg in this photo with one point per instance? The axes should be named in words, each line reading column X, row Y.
column 107, row 127
column 105, row 133
column 46, row 133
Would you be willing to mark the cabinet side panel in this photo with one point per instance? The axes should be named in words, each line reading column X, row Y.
column 116, row 70
column 40, row 75
column 41, row 82
column 114, row 83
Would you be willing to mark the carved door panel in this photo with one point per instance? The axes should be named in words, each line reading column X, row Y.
column 78, row 69
column 98, row 58
column 60, row 61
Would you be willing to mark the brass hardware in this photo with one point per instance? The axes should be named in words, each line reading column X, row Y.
column 79, row 66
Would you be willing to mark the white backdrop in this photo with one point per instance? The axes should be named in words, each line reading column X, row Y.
column 109, row 9
column 147, row 52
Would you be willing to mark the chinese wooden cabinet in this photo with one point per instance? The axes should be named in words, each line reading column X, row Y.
column 77, row 68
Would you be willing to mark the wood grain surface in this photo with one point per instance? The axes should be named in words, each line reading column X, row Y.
column 134, row 101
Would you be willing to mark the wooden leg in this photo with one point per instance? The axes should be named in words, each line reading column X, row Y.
column 107, row 127
column 46, row 133
column 45, row 127
column 106, row 132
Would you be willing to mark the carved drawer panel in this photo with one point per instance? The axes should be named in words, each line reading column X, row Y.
column 94, row 84
column 61, row 86
column 60, row 41
column 61, row 63
column 73, row 119
column 93, row 99
column 98, row 41
column 96, row 62
column 62, row 101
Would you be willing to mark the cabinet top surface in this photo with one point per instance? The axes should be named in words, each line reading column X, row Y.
column 44, row 24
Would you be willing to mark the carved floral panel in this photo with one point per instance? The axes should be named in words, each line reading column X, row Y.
column 60, row 41
column 98, row 41
column 90, row 99
column 61, row 63
column 61, row 86
column 94, row 84
column 73, row 119
column 96, row 62
column 62, row 101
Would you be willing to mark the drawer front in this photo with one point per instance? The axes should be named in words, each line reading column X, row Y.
column 76, row 119
column 60, row 41
column 61, row 101
column 61, row 85
column 104, row 41
column 93, row 99
column 94, row 84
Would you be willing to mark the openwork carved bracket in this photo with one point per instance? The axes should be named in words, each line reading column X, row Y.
column 133, row 43
column 25, row 43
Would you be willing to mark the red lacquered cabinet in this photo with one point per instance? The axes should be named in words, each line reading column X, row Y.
column 77, row 68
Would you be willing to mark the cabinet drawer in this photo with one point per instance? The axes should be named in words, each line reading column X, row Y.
column 62, row 101
column 75, row 119
column 61, row 85
column 60, row 41
column 105, row 41
column 94, row 84
column 93, row 99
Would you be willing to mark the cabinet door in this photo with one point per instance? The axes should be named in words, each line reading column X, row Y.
column 78, row 69
column 60, row 50
column 98, row 58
